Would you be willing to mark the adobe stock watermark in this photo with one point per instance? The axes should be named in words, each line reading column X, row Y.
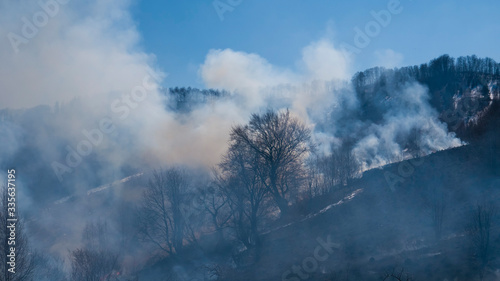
column 223, row 6
column 405, row 170
column 373, row 28
column 310, row 264
column 31, row 27
column 121, row 107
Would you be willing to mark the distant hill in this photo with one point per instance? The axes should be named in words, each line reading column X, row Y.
column 412, row 215
column 462, row 90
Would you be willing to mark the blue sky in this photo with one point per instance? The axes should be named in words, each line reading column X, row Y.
column 180, row 33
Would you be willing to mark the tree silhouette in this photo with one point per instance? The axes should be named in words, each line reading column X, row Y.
column 279, row 143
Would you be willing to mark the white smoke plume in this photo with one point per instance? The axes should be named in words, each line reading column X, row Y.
column 87, row 58
column 85, row 70
column 321, row 91
column 409, row 120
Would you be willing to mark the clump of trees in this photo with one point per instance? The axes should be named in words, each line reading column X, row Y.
column 25, row 256
column 161, row 217
column 49, row 268
column 240, row 182
column 30, row 264
column 443, row 65
column 267, row 166
column 262, row 171
column 96, row 260
column 186, row 99
column 449, row 81
column 277, row 145
column 479, row 231
column 397, row 275
column 336, row 169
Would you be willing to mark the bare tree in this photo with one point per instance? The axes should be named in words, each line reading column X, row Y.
column 437, row 210
column 215, row 203
column 96, row 260
column 95, row 235
column 242, row 181
column 49, row 268
column 280, row 143
column 397, row 275
column 332, row 170
column 479, row 231
column 25, row 256
column 162, row 221
column 315, row 180
column 338, row 167
column 92, row 265
column 349, row 166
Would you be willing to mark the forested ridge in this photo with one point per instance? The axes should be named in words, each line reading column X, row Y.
column 285, row 199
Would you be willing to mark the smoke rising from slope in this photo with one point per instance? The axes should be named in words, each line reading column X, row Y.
column 321, row 92
column 87, row 58
column 409, row 121
column 86, row 64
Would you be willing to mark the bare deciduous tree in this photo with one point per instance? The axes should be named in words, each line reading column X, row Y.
column 338, row 167
column 328, row 171
column 437, row 212
column 242, row 181
column 215, row 203
column 479, row 231
column 92, row 265
column 315, row 180
column 49, row 268
column 95, row 235
column 96, row 260
column 25, row 257
column 398, row 275
column 162, row 220
column 280, row 142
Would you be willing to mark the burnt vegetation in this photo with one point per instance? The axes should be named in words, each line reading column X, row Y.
column 274, row 194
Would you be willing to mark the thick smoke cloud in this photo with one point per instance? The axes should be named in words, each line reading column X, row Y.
column 324, row 62
column 409, row 120
column 86, row 54
column 87, row 60
column 317, row 83
column 85, row 66
column 388, row 58
column 320, row 91
column 87, row 57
